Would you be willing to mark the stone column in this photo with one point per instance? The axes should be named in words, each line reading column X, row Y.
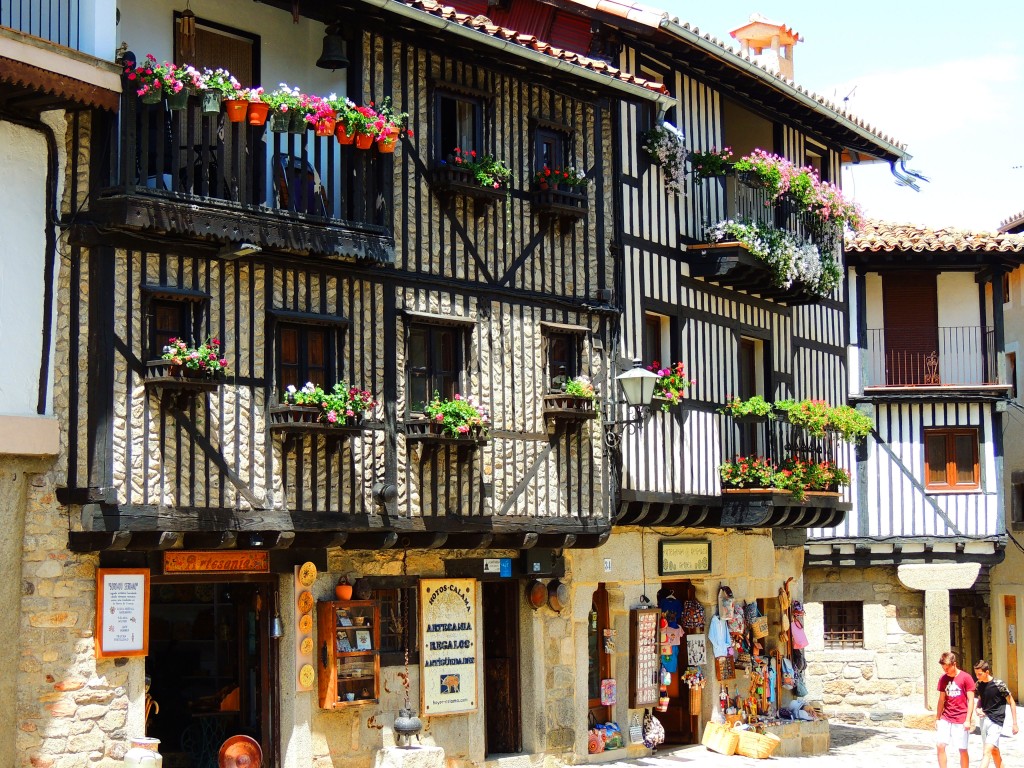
column 935, row 580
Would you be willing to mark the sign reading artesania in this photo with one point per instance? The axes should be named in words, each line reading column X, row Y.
column 679, row 556
column 448, row 656
column 217, row 561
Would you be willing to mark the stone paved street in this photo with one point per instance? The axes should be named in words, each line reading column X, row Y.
column 852, row 747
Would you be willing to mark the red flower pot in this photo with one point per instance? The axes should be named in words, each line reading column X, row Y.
column 364, row 140
column 258, row 112
column 236, row 109
column 325, row 126
column 341, row 132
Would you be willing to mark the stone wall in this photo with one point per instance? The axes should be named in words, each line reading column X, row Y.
column 883, row 682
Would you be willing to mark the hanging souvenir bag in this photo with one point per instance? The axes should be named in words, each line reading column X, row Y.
column 636, row 731
column 613, row 736
column 788, row 674
column 725, row 603
column 759, row 623
column 666, row 677
column 693, row 617
column 654, row 731
column 799, row 636
column 783, row 599
column 799, row 686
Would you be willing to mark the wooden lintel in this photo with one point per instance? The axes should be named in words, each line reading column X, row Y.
column 98, row 541
column 210, row 539
column 371, row 540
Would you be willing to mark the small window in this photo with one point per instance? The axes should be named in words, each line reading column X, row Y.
column 844, row 624
column 398, row 626
column 169, row 320
column 304, row 354
column 550, row 149
column 951, row 460
column 655, row 341
column 1017, row 503
column 434, row 363
column 563, row 358
column 458, row 123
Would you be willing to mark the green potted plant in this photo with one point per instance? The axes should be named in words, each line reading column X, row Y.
column 666, row 146
column 576, row 400
column 283, row 102
column 389, row 125
column 752, row 410
column 708, row 165
column 457, row 417
column 849, row 423
column 218, row 85
column 748, row 473
column 194, row 362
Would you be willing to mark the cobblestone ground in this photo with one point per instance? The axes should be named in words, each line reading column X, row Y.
column 852, row 747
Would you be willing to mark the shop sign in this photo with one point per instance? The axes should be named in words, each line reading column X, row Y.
column 217, row 561
column 684, row 556
column 448, row 656
column 122, row 612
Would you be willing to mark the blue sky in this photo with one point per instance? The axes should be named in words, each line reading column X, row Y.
column 946, row 79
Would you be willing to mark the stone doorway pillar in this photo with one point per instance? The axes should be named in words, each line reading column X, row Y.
column 936, row 580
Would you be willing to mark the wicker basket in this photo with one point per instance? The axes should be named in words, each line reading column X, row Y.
column 759, row 745
column 719, row 738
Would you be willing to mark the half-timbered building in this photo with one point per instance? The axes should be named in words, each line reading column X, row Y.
column 713, row 307
column 911, row 570
column 301, row 259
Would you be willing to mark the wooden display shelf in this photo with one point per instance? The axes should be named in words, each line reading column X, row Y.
column 333, row 684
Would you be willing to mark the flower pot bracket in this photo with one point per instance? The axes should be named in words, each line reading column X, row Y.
column 560, row 407
column 562, row 204
column 176, row 385
column 448, row 181
column 429, row 434
column 775, row 507
column 294, row 422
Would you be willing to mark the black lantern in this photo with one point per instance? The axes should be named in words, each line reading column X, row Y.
column 333, row 55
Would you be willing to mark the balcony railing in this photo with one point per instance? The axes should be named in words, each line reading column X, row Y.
column 188, row 156
column 58, row 21
column 922, row 356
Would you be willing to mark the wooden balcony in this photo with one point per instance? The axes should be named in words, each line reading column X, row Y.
column 923, row 356
column 189, row 173
column 59, row 21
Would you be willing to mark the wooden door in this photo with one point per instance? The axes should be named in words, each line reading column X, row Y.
column 679, row 722
column 1010, row 624
column 501, row 667
column 910, row 309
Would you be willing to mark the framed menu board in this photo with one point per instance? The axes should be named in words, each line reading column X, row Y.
column 644, row 661
column 122, row 612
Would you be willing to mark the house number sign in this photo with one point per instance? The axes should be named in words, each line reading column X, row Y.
column 684, row 556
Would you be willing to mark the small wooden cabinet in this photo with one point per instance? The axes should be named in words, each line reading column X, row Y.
column 348, row 653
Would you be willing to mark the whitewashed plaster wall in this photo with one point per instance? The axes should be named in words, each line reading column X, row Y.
column 288, row 51
column 22, row 262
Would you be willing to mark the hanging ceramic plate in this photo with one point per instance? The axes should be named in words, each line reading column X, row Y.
column 307, row 574
column 306, row 646
column 558, row 596
column 305, row 624
column 240, row 751
column 536, row 594
column 307, row 675
column 305, row 601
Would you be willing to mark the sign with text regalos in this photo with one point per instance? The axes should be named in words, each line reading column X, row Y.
column 448, row 654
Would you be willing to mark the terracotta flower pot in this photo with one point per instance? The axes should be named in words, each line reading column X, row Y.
column 325, row 126
column 258, row 112
column 343, row 591
column 364, row 140
column 236, row 109
column 342, row 134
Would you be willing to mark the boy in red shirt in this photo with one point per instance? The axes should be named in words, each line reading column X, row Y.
column 955, row 710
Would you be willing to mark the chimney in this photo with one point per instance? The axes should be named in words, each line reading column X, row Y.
column 769, row 42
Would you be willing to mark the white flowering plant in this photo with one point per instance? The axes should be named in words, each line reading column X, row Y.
column 666, row 145
column 790, row 259
column 581, row 386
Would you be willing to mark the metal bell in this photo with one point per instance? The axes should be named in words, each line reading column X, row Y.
column 333, row 55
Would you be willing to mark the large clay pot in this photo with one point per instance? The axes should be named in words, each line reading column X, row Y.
column 143, row 754
column 343, row 591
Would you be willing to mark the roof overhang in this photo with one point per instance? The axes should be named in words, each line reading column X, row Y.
column 37, row 75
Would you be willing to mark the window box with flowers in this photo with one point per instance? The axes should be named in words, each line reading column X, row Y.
column 460, row 420
column 712, row 164
column 560, row 192
column 754, row 410
column 576, row 402
column 337, row 413
column 795, row 478
column 819, row 419
column 483, row 179
column 671, row 388
column 185, row 371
